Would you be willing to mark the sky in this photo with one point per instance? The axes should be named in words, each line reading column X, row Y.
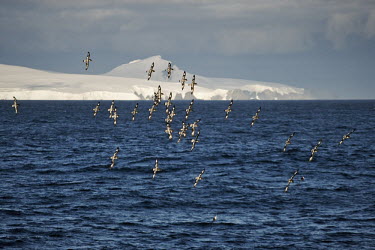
column 325, row 46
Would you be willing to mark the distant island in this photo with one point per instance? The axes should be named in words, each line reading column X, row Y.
column 129, row 82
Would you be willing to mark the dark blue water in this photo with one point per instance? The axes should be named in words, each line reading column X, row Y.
column 56, row 190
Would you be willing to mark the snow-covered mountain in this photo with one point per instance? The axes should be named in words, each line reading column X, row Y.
column 129, row 82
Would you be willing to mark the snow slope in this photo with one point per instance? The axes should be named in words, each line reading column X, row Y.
column 129, row 82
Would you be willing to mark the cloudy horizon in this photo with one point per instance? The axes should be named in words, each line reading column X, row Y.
column 325, row 46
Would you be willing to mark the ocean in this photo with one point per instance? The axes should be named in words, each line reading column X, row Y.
column 58, row 192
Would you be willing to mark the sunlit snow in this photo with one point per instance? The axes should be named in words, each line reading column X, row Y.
column 129, row 82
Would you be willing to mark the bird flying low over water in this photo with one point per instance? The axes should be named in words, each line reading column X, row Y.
column 152, row 109
column 347, row 136
column 229, row 109
column 87, row 60
column 111, row 109
column 15, row 104
column 189, row 109
column 183, row 80
column 186, row 114
column 255, row 117
column 114, row 157
column 193, row 126
column 169, row 102
column 288, row 141
column 115, row 116
column 156, row 168
column 214, row 219
column 194, row 141
column 169, row 131
column 315, row 149
column 169, row 70
column 156, row 99
column 134, row 112
column 96, row 109
column 159, row 94
column 149, row 72
column 182, row 132
column 290, row 181
column 170, row 115
column 192, row 84
column 191, row 105
column 198, row 178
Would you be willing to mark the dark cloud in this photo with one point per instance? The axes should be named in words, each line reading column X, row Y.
column 226, row 27
column 210, row 29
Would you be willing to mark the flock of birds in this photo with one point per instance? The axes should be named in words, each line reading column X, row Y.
column 193, row 127
column 171, row 112
column 169, row 72
column 185, row 126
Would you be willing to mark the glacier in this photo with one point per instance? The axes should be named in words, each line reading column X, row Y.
column 129, row 82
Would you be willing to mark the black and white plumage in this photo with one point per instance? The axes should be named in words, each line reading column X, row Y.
column 96, row 109
column 15, row 104
column 169, row 131
column 156, row 168
column 347, row 136
column 168, row 119
column 191, row 105
column 229, row 109
column 214, row 218
column 87, row 60
column 290, row 181
column 194, row 141
column 192, row 84
column 168, row 103
column 169, row 70
column 111, row 109
column 288, row 141
column 159, row 94
column 255, row 117
column 173, row 112
column 114, row 157
column 315, row 149
column 156, row 99
column 170, row 115
column 151, row 110
column 134, row 112
column 182, row 132
column 183, row 80
column 115, row 116
column 149, row 72
column 198, row 178
column 189, row 109
column 193, row 126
